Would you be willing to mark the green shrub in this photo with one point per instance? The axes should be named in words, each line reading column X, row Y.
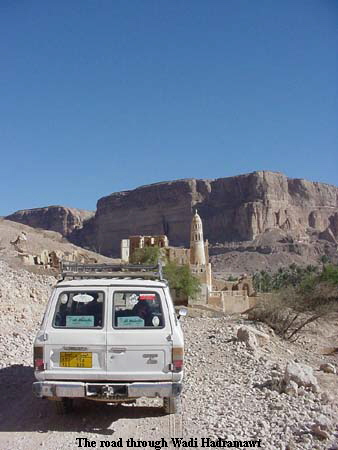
column 146, row 255
column 179, row 277
column 284, row 277
column 182, row 280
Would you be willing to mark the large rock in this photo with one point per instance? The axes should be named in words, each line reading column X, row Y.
column 328, row 368
column 55, row 218
column 302, row 375
column 244, row 334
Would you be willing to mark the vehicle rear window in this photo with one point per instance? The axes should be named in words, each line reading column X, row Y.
column 137, row 309
column 79, row 309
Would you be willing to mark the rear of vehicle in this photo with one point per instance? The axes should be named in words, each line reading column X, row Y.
column 109, row 340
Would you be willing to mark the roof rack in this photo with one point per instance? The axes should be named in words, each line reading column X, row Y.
column 70, row 269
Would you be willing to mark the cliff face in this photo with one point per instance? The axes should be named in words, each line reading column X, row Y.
column 237, row 208
column 55, row 218
column 232, row 209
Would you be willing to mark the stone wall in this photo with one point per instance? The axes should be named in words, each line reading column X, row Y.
column 230, row 302
column 178, row 255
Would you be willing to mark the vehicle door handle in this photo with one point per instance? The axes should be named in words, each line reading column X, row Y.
column 117, row 350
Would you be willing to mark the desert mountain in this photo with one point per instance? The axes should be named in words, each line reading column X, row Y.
column 56, row 218
column 263, row 213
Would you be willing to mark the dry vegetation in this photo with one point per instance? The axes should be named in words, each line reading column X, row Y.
column 300, row 301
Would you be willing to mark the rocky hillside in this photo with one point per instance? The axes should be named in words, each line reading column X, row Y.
column 37, row 242
column 236, row 211
column 56, row 218
column 271, row 250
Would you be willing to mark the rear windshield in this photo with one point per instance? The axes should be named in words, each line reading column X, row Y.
column 79, row 309
column 137, row 309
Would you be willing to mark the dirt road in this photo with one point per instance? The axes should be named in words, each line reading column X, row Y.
column 28, row 423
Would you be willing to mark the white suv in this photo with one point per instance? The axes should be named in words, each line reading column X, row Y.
column 109, row 333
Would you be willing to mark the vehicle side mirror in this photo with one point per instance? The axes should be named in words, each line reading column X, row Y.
column 182, row 312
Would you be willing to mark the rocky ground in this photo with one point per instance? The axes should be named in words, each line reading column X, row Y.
column 235, row 388
column 270, row 250
column 235, row 384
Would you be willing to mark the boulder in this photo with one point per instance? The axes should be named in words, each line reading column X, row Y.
column 302, row 375
column 328, row 368
column 260, row 336
column 244, row 334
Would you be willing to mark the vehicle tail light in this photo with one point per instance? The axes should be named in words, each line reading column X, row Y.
column 177, row 358
column 38, row 358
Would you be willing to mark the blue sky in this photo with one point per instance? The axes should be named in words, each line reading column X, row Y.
column 99, row 96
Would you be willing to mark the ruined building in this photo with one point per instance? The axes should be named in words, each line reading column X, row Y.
column 197, row 257
column 229, row 296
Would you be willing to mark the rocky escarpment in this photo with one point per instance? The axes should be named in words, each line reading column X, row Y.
column 162, row 208
column 232, row 209
column 56, row 218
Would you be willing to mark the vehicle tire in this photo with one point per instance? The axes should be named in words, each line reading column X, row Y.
column 172, row 405
column 64, row 405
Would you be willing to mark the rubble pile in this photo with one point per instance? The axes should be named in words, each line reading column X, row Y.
column 239, row 386
column 23, row 296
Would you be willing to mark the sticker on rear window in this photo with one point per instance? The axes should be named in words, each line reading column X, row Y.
column 156, row 321
column 83, row 298
column 133, row 321
column 64, row 299
column 147, row 297
column 132, row 300
column 80, row 321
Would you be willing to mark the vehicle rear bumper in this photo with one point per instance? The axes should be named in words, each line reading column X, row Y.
column 107, row 391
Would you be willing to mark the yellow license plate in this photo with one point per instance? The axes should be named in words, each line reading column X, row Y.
column 76, row 359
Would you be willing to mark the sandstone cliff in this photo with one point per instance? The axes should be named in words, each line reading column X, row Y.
column 232, row 209
column 55, row 218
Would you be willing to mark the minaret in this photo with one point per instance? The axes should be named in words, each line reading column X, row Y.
column 197, row 252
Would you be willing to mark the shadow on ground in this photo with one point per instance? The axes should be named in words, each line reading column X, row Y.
column 21, row 411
